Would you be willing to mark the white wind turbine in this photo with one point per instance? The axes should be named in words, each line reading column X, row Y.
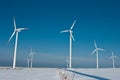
column 113, row 59
column 30, row 57
column 28, row 62
column 16, row 31
column 96, row 50
column 71, row 37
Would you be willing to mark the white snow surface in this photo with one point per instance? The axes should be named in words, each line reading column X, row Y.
column 52, row 74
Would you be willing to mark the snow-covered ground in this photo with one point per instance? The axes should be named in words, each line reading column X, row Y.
column 97, row 74
column 28, row 74
column 53, row 74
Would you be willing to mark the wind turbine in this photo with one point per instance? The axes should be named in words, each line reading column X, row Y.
column 31, row 57
column 16, row 31
column 71, row 37
column 113, row 59
column 67, row 62
column 96, row 50
column 28, row 62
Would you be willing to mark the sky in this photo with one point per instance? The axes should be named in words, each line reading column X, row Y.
column 97, row 20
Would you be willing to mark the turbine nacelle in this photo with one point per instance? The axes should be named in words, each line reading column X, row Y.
column 96, row 49
column 16, row 30
column 99, row 49
column 31, row 54
column 20, row 29
column 70, row 30
column 113, row 56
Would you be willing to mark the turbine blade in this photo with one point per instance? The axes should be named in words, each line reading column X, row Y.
column 20, row 29
column 72, row 36
column 112, row 57
column 11, row 36
column 95, row 44
column 100, row 49
column 14, row 23
column 64, row 31
column 112, row 53
column 93, row 52
column 73, row 25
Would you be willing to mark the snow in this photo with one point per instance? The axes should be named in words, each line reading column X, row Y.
column 28, row 74
column 55, row 74
column 97, row 74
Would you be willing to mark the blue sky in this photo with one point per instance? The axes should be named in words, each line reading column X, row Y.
column 96, row 20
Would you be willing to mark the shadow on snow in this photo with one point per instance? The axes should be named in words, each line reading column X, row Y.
column 92, row 76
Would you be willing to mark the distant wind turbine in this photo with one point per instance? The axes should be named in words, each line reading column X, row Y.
column 96, row 50
column 28, row 62
column 67, row 62
column 71, row 37
column 16, row 31
column 113, row 59
column 30, row 57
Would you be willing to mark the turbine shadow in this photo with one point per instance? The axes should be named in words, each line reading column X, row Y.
column 88, row 75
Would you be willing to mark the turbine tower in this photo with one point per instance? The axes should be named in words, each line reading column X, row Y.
column 16, row 31
column 71, row 37
column 96, row 50
column 30, row 57
column 113, row 59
